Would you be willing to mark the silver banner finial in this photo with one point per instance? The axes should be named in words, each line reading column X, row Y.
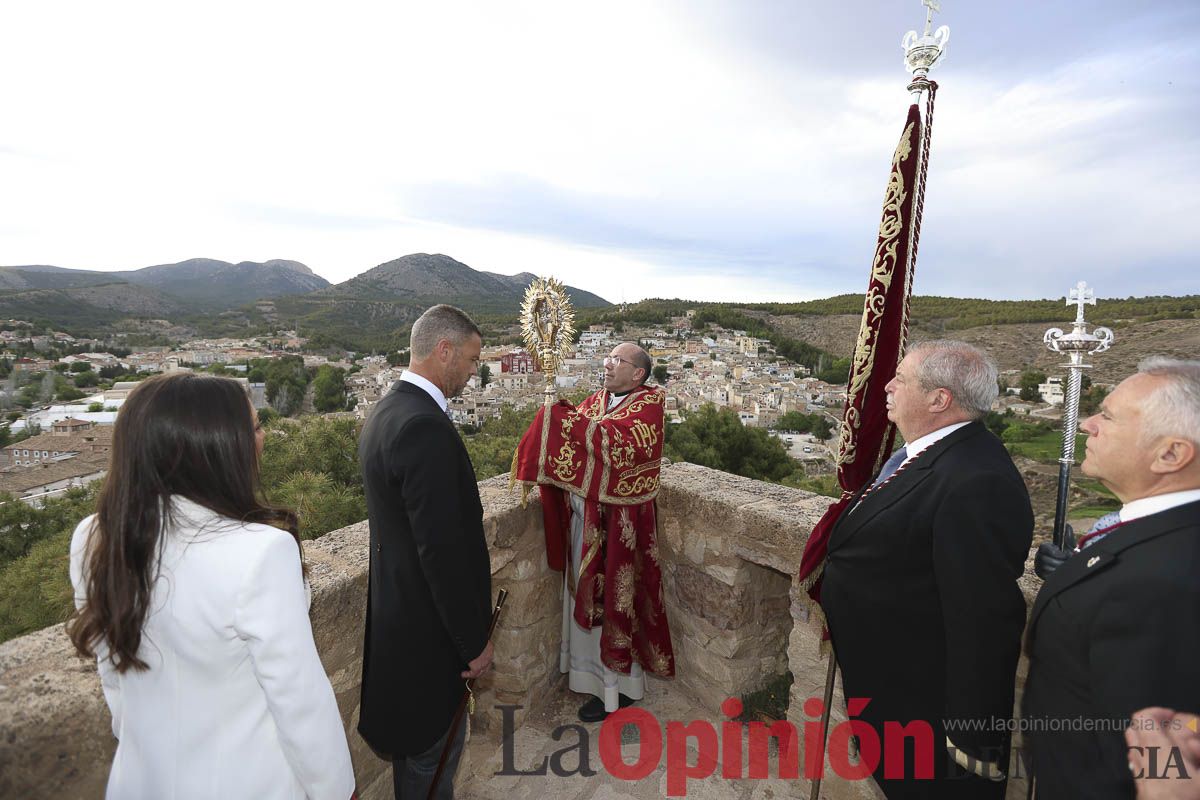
column 923, row 51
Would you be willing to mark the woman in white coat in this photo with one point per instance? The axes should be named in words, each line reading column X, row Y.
column 190, row 594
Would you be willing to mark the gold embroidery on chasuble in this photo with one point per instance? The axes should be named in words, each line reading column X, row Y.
column 645, row 436
column 593, row 410
column 623, row 411
column 593, row 538
column 649, row 612
column 660, row 663
column 589, row 460
column 595, row 605
column 634, row 482
column 625, row 587
column 883, row 267
column 628, row 532
column 620, row 453
column 652, row 549
column 565, row 465
column 619, row 638
column 622, row 664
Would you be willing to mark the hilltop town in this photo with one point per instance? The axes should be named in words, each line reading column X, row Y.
column 71, row 429
column 61, row 394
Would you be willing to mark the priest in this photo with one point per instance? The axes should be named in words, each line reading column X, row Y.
column 596, row 466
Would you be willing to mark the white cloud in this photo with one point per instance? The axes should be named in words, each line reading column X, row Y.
column 141, row 133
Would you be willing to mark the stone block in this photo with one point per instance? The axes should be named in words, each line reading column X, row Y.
column 694, row 548
column 523, row 567
column 531, row 600
column 380, row 787
column 500, row 557
column 774, row 611
column 521, row 648
column 55, row 730
column 723, row 606
column 731, row 574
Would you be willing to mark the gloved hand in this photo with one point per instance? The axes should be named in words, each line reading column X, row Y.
column 1049, row 557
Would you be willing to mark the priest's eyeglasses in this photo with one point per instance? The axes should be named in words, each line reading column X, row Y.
column 615, row 361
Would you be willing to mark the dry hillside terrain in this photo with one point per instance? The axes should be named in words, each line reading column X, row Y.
column 1018, row 346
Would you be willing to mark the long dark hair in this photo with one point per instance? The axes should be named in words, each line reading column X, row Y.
column 182, row 434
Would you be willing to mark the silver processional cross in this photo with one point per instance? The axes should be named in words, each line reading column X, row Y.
column 1082, row 295
column 932, row 6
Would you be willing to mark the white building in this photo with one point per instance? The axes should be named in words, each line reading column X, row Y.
column 1052, row 391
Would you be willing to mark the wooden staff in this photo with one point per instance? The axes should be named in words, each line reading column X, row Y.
column 467, row 698
column 830, row 676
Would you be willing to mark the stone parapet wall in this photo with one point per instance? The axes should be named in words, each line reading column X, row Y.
column 730, row 546
column 748, row 536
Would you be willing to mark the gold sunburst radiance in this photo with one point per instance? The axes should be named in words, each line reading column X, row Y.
column 548, row 326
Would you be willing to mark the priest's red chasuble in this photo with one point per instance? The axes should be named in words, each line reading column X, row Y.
column 610, row 459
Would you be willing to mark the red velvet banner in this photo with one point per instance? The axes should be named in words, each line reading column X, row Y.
column 867, row 436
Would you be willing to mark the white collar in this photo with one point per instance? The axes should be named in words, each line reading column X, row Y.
column 1145, row 506
column 917, row 446
column 190, row 509
column 192, row 521
column 423, row 382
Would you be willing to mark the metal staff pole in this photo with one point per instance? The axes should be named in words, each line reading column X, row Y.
column 1076, row 345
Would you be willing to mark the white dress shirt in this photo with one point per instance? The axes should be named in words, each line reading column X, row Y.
column 919, row 445
column 1136, row 509
column 424, row 383
column 235, row 703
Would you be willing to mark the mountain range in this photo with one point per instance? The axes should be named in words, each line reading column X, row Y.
column 425, row 278
column 395, row 291
column 198, row 282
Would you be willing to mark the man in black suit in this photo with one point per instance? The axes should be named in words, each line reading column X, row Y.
column 920, row 589
column 1116, row 628
column 428, row 606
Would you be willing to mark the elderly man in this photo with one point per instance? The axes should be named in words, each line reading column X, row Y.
column 596, row 466
column 1117, row 627
column 920, row 589
column 429, row 585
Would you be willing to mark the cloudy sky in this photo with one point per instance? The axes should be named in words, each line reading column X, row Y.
column 708, row 149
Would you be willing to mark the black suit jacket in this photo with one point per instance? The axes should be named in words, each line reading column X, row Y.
column 1115, row 629
column 429, row 598
column 920, row 594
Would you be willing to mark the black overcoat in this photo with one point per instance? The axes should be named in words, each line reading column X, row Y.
column 920, row 594
column 1114, row 630
column 429, row 596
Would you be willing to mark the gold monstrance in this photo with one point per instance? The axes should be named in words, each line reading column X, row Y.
column 548, row 325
